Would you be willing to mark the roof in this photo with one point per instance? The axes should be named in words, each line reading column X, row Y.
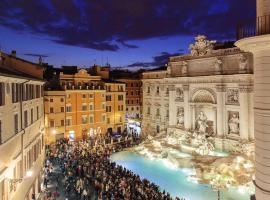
column 16, row 74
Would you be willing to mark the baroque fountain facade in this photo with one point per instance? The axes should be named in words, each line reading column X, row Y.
column 199, row 108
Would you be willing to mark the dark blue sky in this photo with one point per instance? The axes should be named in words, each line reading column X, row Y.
column 127, row 32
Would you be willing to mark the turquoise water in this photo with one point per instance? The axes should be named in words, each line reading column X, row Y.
column 173, row 180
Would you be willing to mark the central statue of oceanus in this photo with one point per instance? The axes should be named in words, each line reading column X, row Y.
column 202, row 46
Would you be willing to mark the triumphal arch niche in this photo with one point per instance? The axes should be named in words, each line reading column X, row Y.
column 208, row 91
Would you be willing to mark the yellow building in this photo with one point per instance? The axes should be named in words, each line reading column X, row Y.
column 115, row 106
column 21, row 128
column 79, row 108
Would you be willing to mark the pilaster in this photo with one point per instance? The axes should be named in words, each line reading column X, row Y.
column 187, row 122
column 221, row 89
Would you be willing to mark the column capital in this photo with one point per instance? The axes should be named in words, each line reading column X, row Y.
column 221, row 88
column 186, row 87
column 245, row 88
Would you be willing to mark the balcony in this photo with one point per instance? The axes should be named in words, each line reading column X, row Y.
column 260, row 26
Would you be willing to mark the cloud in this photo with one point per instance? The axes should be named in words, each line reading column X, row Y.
column 36, row 55
column 158, row 61
column 108, row 25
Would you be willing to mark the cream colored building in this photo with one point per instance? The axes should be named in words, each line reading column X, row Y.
column 209, row 91
column 21, row 129
column 259, row 45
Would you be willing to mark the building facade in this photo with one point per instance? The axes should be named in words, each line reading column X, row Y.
column 21, row 128
column 209, row 91
column 83, row 105
column 259, row 44
column 133, row 98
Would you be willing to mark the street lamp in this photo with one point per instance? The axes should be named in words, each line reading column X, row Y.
column 13, row 182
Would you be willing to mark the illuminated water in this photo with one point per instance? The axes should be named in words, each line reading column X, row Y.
column 173, row 180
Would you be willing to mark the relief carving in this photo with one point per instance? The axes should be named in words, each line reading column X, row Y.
column 233, row 96
column 202, row 46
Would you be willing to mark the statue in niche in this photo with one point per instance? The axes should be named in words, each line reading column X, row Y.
column 179, row 94
column 201, row 122
column 232, row 96
column 233, row 123
column 243, row 63
column 180, row 117
column 218, row 65
column 202, row 46
column 184, row 67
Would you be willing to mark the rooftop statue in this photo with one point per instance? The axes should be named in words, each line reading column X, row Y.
column 202, row 46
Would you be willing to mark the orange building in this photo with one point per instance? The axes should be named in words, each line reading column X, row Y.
column 78, row 107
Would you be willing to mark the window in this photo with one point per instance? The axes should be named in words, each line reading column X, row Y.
column 126, row 109
column 91, row 106
column 62, row 109
column 167, row 113
column 91, row 119
column 120, row 119
column 91, row 96
column 51, row 123
column 103, row 106
column 108, row 109
column 32, row 116
column 68, row 96
column 148, row 89
column 120, row 97
column 137, row 101
column 51, row 99
column 137, row 108
column 104, row 118
column 16, row 124
column 25, row 119
column 2, row 94
column 61, row 99
column 84, row 107
column 84, row 119
column 108, row 120
column 127, row 101
column 157, row 89
column 131, row 93
column 51, row 110
column 108, row 88
column 84, row 96
column 108, row 97
column 68, row 108
column 62, row 122
column 132, row 109
column 148, row 110
column 68, row 121
column 167, row 91
column 120, row 108
column 158, row 112
column 37, row 112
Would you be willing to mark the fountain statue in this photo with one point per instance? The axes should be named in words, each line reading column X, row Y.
column 202, row 122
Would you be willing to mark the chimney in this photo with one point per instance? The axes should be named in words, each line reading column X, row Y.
column 13, row 53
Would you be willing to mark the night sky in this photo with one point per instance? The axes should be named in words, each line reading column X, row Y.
column 126, row 32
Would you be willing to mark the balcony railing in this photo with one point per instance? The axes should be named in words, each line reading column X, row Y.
column 260, row 26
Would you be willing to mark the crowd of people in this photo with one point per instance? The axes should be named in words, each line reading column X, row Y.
column 88, row 173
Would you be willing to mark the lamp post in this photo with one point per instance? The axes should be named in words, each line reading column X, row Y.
column 13, row 182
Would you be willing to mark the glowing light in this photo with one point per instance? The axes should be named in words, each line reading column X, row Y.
column 29, row 173
column 241, row 190
column 54, row 131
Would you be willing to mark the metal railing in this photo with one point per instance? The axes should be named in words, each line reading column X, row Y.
column 260, row 26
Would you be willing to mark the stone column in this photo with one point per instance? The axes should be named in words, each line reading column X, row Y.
column 221, row 89
column 187, row 121
column 243, row 115
column 192, row 117
column 260, row 47
column 215, row 121
column 172, row 106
